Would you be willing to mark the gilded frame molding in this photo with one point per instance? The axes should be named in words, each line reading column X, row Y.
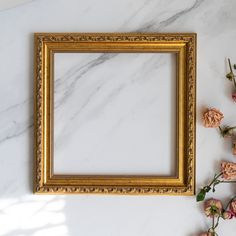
column 183, row 44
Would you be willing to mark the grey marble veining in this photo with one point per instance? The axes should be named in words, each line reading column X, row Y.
column 154, row 25
column 8, row 4
column 151, row 26
column 10, row 129
column 19, row 123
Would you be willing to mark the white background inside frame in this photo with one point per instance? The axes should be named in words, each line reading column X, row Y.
column 115, row 113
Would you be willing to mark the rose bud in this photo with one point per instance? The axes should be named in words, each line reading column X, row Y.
column 227, row 215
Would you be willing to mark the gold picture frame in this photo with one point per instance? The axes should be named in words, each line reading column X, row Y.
column 183, row 45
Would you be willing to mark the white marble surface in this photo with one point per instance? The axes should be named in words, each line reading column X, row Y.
column 8, row 4
column 24, row 214
column 115, row 113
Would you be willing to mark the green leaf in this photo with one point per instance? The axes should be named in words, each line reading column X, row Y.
column 230, row 76
column 201, row 195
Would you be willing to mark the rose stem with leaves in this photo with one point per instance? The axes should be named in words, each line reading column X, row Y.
column 231, row 75
column 216, row 181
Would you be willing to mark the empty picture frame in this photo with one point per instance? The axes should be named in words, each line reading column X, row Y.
column 50, row 47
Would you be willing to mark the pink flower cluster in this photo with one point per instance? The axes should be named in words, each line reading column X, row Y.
column 214, row 208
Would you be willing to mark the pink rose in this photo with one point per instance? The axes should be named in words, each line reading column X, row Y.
column 212, row 118
column 213, row 207
column 229, row 170
column 233, row 207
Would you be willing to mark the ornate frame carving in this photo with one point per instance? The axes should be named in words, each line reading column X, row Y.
column 183, row 44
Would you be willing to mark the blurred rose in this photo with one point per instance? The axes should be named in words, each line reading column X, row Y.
column 234, row 96
column 212, row 118
column 233, row 207
column 213, row 207
column 227, row 215
column 228, row 170
column 206, row 234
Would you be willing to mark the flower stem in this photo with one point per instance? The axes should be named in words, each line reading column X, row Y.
column 231, row 70
column 214, row 225
column 215, row 178
column 226, row 130
column 221, row 131
column 217, row 222
column 231, row 128
column 227, row 182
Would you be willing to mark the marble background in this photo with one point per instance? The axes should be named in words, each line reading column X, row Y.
column 114, row 113
column 25, row 214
